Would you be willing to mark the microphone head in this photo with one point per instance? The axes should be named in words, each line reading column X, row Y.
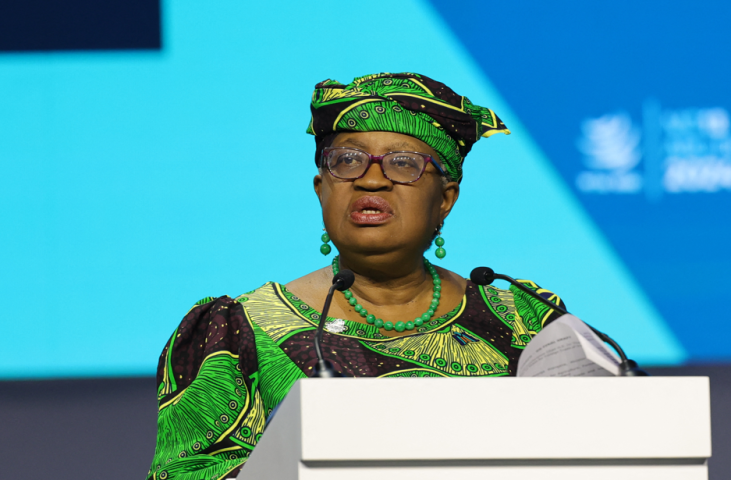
column 482, row 275
column 344, row 280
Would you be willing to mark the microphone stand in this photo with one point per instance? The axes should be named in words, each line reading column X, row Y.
column 486, row 275
column 324, row 368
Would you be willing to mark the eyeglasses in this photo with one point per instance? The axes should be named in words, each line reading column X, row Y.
column 400, row 167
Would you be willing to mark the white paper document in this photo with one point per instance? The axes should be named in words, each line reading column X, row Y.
column 567, row 348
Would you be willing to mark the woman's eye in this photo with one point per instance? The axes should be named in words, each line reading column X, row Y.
column 349, row 160
column 404, row 161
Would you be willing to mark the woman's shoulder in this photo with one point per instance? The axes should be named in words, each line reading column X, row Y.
column 526, row 301
column 314, row 280
column 312, row 287
column 525, row 315
column 213, row 326
column 520, row 298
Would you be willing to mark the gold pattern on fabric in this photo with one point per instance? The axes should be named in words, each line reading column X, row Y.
column 268, row 311
column 168, row 383
column 242, row 390
column 443, row 352
column 423, row 87
column 490, row 133
column 351, row 107
column 330, row 94
column 253, row 425
column 368, row 78
column 414, row 373
column 224, row 450
column 176, row 398
column 424, row 99
column 552, row 298
column 502, row 304
column 361, row 330
column 210, row 404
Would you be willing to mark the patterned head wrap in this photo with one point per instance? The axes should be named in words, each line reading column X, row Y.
column 405, row 103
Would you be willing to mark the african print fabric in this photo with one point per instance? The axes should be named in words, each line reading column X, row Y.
column 405, row 103
column 232, row 361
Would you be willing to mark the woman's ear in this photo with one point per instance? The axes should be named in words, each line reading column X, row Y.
column 450, row 194
column 317, row 183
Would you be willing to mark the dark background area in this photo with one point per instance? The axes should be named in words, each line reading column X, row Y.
column 43, row 25
column 78, row 429
column 105, row 428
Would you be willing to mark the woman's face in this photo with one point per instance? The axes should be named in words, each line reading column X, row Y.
column 372, row 215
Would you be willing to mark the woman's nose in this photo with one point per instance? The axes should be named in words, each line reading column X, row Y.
column 373, row 180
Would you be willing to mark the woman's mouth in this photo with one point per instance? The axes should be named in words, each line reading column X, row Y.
column 370, row 210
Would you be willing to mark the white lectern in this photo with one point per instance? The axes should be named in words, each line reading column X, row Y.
column 641, row 428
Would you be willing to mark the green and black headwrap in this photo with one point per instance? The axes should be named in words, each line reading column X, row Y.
column 405, row 103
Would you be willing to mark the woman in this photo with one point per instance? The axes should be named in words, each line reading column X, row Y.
column 389, row 148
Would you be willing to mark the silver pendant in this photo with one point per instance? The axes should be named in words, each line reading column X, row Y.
column 336, row 326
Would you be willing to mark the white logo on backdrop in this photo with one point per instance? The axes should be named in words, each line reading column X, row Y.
column 610, row 142
column 671, row 151
column 611, row 148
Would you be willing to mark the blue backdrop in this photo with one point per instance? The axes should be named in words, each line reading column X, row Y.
column 137, row 182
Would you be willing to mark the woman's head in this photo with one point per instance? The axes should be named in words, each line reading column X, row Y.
column 382, row 213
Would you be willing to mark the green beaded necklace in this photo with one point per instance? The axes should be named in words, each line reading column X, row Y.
column 398, row 326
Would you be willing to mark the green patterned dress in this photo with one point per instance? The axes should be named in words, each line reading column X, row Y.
column 232, row 361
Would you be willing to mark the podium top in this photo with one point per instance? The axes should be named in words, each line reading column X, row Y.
column 490, row 419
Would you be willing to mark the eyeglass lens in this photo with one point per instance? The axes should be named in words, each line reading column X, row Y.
column 402, row 167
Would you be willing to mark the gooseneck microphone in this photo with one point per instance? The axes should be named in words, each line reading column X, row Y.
column 486, row 275
column 324, row 369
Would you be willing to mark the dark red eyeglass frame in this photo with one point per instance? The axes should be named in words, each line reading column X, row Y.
column 378, row 160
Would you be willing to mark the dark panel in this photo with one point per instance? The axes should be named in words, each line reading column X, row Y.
column 45, row 25
column 105, row 428
column 73, row 429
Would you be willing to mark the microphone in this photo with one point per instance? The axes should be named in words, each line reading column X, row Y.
column 323, row 368
column 486, row 275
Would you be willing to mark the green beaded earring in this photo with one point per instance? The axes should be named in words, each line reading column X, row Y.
column 439, row 242
column 325, row 249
